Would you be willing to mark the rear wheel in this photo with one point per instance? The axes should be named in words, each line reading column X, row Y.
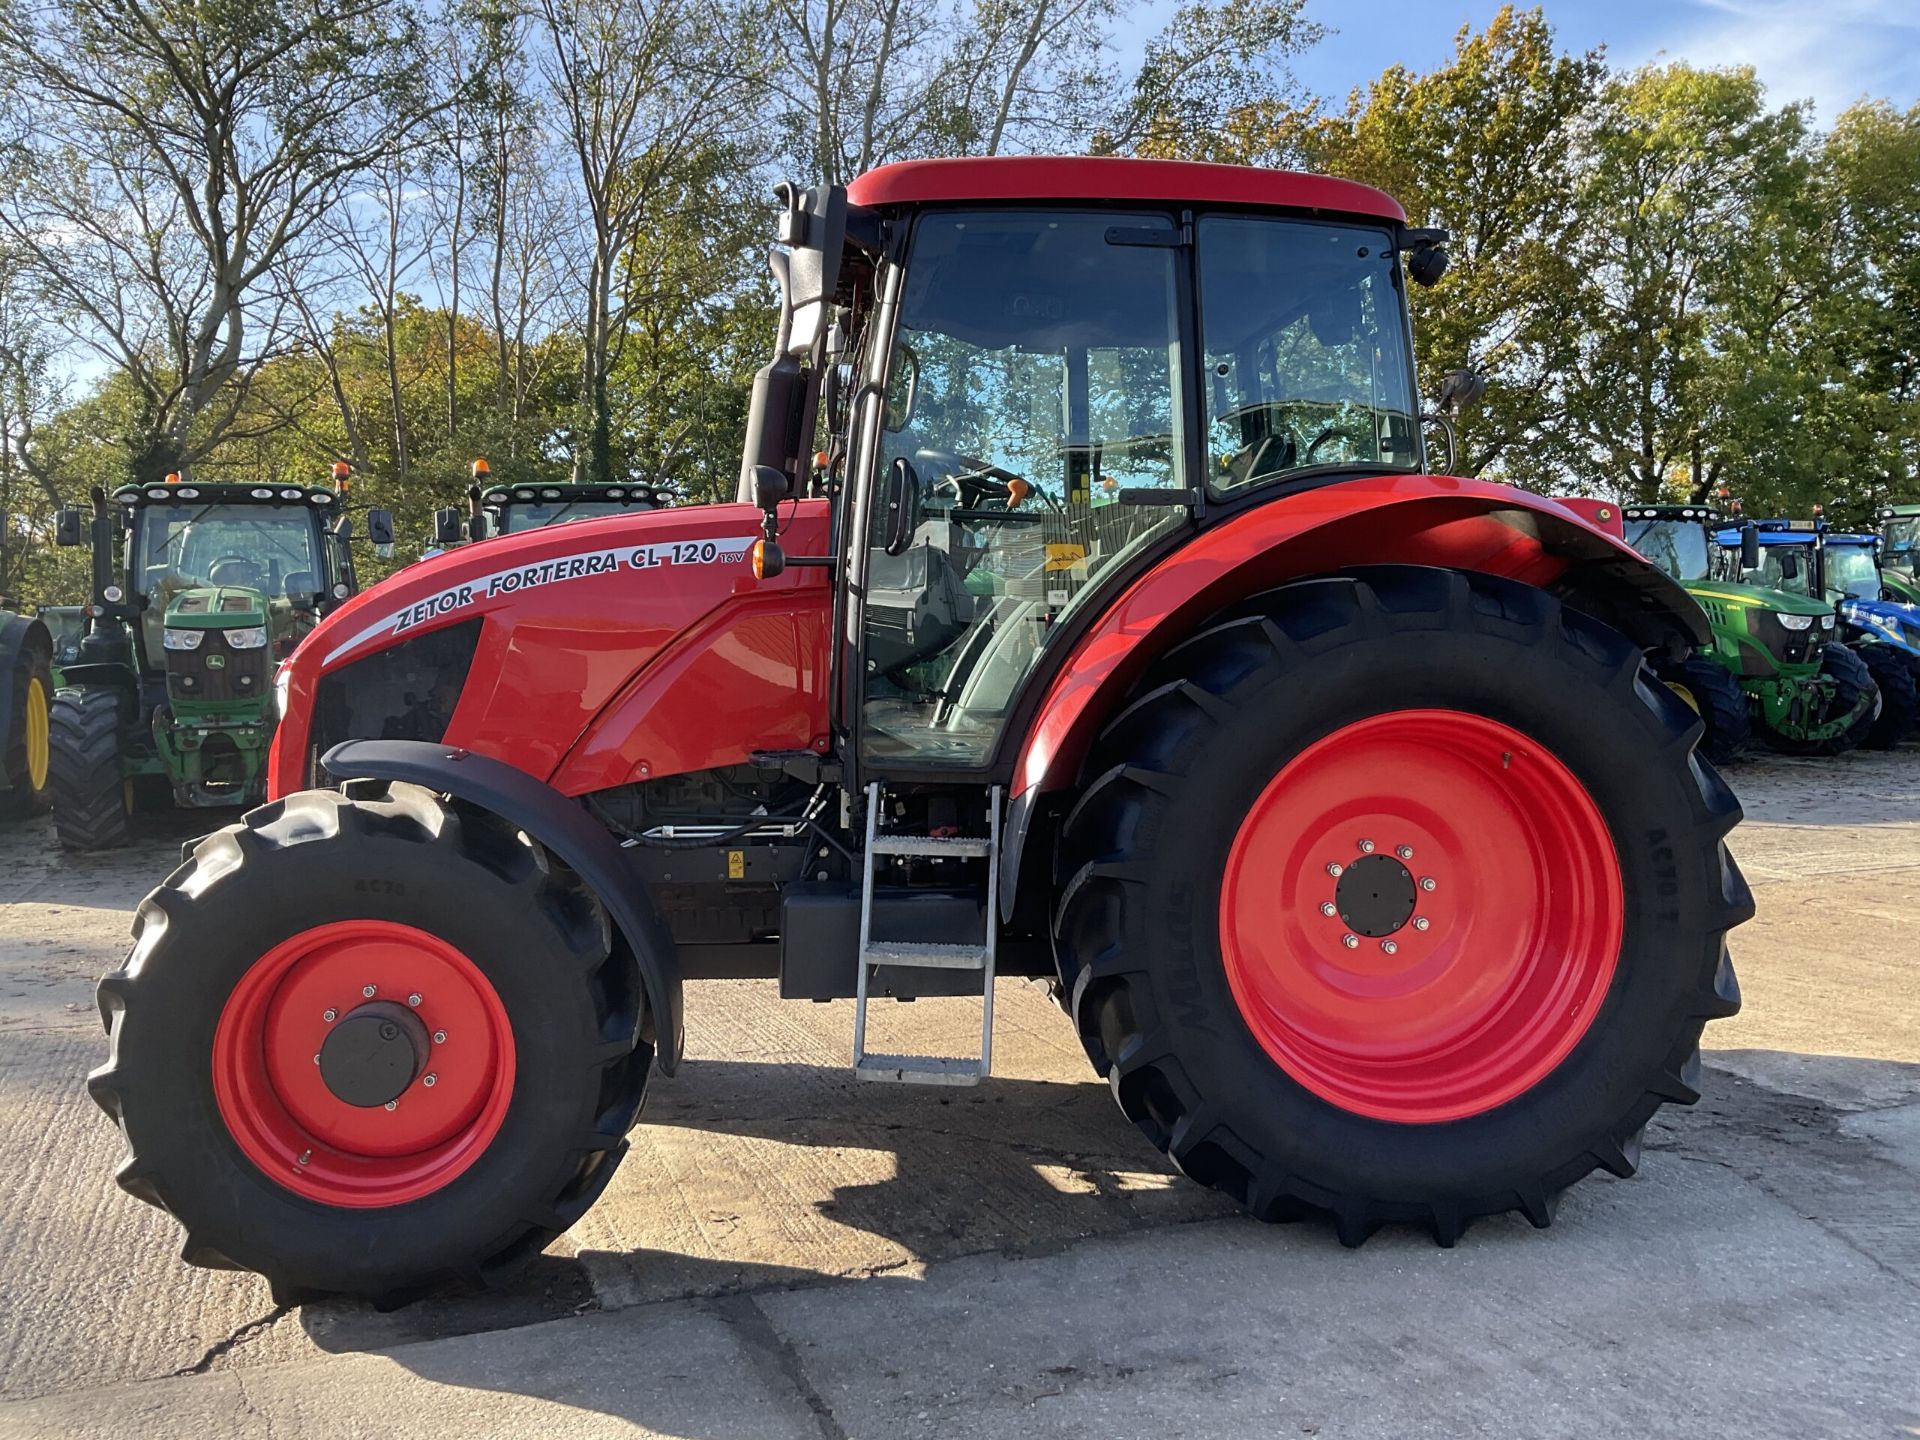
column 92, row 803
column 367, row 1045
column 28, row 735
column 1399, row 897
column 1712, row 693
column 1899, row 701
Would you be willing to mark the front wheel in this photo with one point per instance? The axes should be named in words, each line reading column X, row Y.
column 1399, row 897
column 26, row 742
column 1892, row 670
column 92, row 799
column 367, row 1045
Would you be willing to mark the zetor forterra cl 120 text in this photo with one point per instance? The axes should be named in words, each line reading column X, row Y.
column 1089, row 612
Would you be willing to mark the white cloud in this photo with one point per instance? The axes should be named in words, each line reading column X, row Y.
column 1832, row 53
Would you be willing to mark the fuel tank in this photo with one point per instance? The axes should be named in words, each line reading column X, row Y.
column 589, row 654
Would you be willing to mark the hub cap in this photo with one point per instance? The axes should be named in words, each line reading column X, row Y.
column 363, row 1063
column 39, row 735
column 1421, row 915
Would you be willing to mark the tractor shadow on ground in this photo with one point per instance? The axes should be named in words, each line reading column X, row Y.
column 958, row 1156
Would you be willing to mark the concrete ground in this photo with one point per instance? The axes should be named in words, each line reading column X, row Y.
column 787, row 1254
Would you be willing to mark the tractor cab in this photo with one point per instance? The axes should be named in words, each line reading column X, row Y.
column 1900, row 551
column 1025, row 402
column 510, row 509
column 1844, row 571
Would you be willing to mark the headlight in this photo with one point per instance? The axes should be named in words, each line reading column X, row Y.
column 1826, row 622
column 1797, row 622
column 252, row 638
column 182, row 639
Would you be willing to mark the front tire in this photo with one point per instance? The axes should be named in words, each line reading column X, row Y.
column 92, row 804
column 446, row 1125
column 1893, row 672
column 1358, row 1063
column 28, row 735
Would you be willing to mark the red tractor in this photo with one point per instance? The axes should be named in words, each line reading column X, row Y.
column 1089, row 613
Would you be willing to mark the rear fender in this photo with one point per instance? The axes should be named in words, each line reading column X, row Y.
column 556, row 822
column 1435, row 520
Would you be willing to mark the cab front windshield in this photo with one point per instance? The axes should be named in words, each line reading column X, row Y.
column 1787, row 568
column 269, row 548
column 1678, row 547
column 1852, row 570
column 1902, row 536
column 532, row 514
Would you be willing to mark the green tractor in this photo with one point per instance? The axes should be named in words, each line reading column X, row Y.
column 1900, row 553
column 26, row 696
column 199, row 591
column 1771, row 668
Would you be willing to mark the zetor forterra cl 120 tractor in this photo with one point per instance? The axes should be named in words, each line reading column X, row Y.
column 1093, row 617
column 199, row 591
column 1772, row 664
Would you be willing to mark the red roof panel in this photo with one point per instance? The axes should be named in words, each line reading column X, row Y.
column 1110, row 178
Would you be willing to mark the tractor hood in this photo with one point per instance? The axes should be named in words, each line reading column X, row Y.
column 513, row 646
column 1781, row 602
column 216, row 607
column 1897, row 622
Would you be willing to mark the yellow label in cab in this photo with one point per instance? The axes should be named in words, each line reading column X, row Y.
column 1065, row 557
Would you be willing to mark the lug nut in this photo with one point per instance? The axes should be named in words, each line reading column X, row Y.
column 1426, row 882
column 429, row 1079
column 368, row 991
column 328, row 1014
column 1405, row 852
column 1420, row 922
column 393, row 1104
column 1334, row 868
column 1366, row 847
column 1327, row 907
column 414, row 999
column 1389, row 947
column 305, row 1156
column 1352, row 942
column 439, row 1037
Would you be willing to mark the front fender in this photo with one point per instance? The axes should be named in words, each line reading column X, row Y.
column 557, row 823
column 1437, row 520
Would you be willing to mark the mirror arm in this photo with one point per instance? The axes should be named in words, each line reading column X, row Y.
column 1446, row 428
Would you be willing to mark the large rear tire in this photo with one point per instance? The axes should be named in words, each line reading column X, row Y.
column 92, row 805
column 367, row 1045
column 1510, row 971
column 1899, row 699
column 28, row 735
column 1711, row 692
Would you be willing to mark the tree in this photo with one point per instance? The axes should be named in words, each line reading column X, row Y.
column 1484, row 147
column 166, row 165
column 1674, row 171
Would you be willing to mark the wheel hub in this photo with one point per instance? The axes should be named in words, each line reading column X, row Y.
column 373, row 1054
column 1375, row 896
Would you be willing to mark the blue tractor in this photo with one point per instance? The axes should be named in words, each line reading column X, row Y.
column 1809, row 558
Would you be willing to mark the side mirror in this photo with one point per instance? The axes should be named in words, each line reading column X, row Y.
column 380, row 532
column 1426, row 256
column 69, row 526
column 770, row 486
column 1459, row 389
column 1789, row 565
column 447, row 529
column 1749, row 546
column 903, row 390
column 901, row 497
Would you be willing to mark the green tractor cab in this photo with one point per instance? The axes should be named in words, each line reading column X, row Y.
column 1900, row 553
column 200, row 591
column 1771, row 667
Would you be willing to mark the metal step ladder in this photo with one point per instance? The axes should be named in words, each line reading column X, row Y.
column 926, row 955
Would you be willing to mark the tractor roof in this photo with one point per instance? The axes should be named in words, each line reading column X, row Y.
column 1772, row 532
column 1112, row 180
column 1703, row 513
column 224, row 494
column 569, row 490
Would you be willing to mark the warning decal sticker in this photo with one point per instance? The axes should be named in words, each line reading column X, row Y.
column 557, row 571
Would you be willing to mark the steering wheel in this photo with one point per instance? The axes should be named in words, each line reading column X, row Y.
column 245, row 562
column 977, row 479
column 1330, row 433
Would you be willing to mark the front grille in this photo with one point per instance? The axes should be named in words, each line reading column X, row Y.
column 1789, row 647
column 216, row 673
column 405, row 692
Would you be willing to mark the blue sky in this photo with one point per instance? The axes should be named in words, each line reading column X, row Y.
column 1829, row 51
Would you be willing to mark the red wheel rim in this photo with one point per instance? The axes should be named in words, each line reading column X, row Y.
column 268, row 1082
column 1421, row 915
